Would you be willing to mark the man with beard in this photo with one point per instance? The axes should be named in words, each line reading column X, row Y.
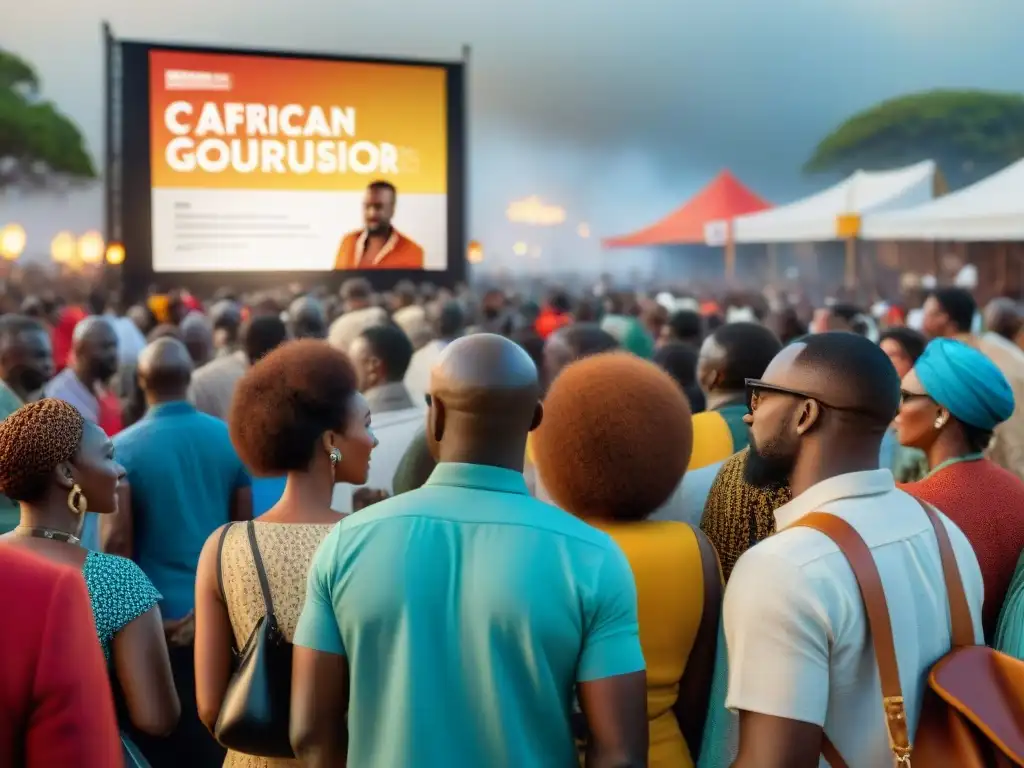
column 26, row 364
column 801, row 658
column 94, row 362
column 378, row 245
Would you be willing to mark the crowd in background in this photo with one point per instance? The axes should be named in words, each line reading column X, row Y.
column 501, row 526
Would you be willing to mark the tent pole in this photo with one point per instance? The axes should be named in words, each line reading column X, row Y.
column 730, row 256
column 851, row 263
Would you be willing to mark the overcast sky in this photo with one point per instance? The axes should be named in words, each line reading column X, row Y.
column 616, row 109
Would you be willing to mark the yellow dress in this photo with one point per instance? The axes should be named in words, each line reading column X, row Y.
column 666, row 562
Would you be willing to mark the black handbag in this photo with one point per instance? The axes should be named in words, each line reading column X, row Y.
column 254, row 713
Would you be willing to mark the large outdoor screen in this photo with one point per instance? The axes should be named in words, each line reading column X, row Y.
column 266, row 163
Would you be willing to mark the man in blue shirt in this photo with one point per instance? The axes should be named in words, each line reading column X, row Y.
column 454, row 623
column 184, row 480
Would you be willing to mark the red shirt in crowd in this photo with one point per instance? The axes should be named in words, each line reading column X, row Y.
column 987, row 502
column 56, row 708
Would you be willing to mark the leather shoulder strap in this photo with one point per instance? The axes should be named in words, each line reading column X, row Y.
column 862, row 563
column 959, row 610
column 261, row 572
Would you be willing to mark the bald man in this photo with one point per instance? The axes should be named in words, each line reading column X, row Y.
column 197, row 333
column 307, row 318
column 94, row 362
column 467, row 611
column 184, row 480
column 801, row 658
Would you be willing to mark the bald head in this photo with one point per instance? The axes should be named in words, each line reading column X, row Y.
column 1003, row 316
column 197, row 333
column 485, row 396
column 164, row 370
column 307, row 318
column 94, row 342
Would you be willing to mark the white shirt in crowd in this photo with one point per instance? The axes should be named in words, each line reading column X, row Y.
column 395, row 431
column 799, row 646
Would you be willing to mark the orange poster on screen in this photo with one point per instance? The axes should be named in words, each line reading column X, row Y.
column 269, row 162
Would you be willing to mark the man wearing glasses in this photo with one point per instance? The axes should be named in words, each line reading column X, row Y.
column 801, row 659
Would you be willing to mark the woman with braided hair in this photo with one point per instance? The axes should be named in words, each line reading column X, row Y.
column 57, row 465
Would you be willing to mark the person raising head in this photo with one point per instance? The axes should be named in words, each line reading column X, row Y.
column 793, row 610
column 57, row 465
column 297, row 412
column 952, row 401
column 611, row 450
column 731, row 354
column 378, row 245
column 446, row 566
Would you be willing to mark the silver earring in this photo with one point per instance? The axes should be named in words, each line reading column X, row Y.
column 940, row 423
column 335, row 457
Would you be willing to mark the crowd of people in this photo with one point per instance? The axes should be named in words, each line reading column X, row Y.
column 458, row 528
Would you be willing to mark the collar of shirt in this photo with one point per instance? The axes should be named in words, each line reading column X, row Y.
column 871, row 482
column 173, row 408
column 480, row 477
column 389, row 246
column 388, row 397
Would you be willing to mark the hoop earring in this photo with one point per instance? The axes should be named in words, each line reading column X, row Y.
column 77, row 502
column 335, row 457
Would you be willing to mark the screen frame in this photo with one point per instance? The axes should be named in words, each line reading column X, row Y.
column 136, row 183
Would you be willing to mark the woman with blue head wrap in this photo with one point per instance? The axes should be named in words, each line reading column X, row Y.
column 953, row 398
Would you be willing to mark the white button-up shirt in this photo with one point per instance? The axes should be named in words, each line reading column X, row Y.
column 798, row 638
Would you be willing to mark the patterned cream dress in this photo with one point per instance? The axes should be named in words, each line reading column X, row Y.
column 287, row 551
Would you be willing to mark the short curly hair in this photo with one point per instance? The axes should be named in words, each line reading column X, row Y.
column 33, row 441
column 615, row 439
column 286, row 401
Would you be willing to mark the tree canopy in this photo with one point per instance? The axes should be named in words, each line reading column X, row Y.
column 969, row 133
column 38, row 144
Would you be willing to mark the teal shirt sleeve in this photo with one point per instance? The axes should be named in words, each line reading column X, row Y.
column 611, row 643
column 318, row 625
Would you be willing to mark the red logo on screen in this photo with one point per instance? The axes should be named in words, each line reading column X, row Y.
column 190, row 80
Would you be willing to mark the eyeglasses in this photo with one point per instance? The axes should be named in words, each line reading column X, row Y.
column 755, row 387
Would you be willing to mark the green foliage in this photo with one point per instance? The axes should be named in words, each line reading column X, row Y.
column 38, row 144
column 968, row 132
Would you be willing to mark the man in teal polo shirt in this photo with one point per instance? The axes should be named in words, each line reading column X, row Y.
column 454, row 623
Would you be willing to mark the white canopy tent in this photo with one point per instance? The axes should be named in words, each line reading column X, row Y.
column 990, row 209
column 816, row 218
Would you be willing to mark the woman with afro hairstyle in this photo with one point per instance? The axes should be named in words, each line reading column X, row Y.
column 296, row 412
column 612, row 448
column 57, row 466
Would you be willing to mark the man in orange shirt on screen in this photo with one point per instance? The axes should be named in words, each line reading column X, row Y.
column 378, row 245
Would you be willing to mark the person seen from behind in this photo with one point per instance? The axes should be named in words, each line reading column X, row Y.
column 611, row 450
column 953, row 398
column 56, row 465
column 296, row 413
column 184, row 480
column 465, row 613
column 802, row 663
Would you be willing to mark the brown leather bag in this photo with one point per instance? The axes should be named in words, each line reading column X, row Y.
column 972, row 715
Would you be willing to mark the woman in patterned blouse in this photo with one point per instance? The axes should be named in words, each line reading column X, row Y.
column 57, row 466
column 298, row 413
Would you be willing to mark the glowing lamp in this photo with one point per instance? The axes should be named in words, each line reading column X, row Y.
column 115, row 254
column 90, row 248
column 62, row 247
column 12, row 241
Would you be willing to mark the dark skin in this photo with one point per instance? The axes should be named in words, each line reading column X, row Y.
column 306, row 500
column 1003, row 316
column 916, row 421
column 767, row 741
column 95, row 348
column 26, row 362
column 378, row 210
column 139, row 651
column 484, row 399
column 164, row 368
column 711, row 364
